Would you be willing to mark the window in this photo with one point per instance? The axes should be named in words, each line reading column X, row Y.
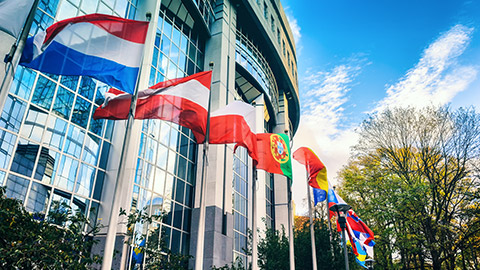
column 272, row 23
column 265, row 10
column 278, row 36
column 283, row 45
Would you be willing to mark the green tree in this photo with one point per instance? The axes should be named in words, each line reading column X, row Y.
column 414, row 180
column 273, row 250
column 152, row 244
column 29, row 241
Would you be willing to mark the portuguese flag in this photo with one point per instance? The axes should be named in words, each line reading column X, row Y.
column 273, row 151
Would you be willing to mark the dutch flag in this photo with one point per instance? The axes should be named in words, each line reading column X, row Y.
column 104, row 47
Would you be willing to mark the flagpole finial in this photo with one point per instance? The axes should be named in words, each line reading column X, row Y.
column 211, row 64
column 148, row 16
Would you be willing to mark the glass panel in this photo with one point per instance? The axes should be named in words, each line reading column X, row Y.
column 181, row 167
column 47, row 165
column 159, row 185
column 74, row 142
column 80, row 205
column 104, row 155
column 171, row 161
column 34, row 124
column 57, row 209
column 85, row 180
column 96, row 125
column 81, row 112
column 189, row 195
column 16, row 187
column 179, row 191
column 63, row 102
column 93, row 214
column 56, row 130
column 7, row 143
column 67, row 172
column 38, row 199
column 12, row 114
column 23, row 82
column 97, row 191
column 66, row 10
column 87, row 87
column 2, row 177
column 70, row 82
column 43, row 94
column 157, row 202
column 91, row 149
column 89, row 6
column 168, row 187
column 24, row 159
column 175, row 241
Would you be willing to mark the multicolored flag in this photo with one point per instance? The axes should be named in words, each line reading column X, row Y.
column 104, row 47
column 361, row 232
column 235, row 123
column 273, row 151
column 317, row 172
column 183, row 101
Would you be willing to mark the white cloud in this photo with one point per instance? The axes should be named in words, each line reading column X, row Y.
column 295, row 29
column 319, row 129
column 437, row 77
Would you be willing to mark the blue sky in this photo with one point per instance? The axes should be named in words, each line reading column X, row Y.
column 359, row 57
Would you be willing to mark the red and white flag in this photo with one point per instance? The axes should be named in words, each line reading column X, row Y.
column 235, row 123
column 183, row 101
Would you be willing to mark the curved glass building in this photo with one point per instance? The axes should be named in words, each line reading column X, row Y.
column 53, row 150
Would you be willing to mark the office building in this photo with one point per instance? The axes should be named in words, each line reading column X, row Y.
column 53, row 150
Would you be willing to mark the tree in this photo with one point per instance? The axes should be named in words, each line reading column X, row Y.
column 273, row 250
column 29, row 241
column 153, row 246
column 414, row 179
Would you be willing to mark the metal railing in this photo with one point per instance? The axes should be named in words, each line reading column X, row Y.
column 250, row 57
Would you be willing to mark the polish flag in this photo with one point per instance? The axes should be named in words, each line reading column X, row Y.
column 104, row 47
column 235, row 123
column 183, row 101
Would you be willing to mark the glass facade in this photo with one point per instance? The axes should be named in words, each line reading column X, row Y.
column 51, row 148
column 166, row 164
column 240, row 204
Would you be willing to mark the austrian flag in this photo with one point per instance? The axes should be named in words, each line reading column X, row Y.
column 183, row 101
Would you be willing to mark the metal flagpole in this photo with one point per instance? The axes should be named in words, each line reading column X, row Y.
column 254, row 219
column 312, row 230
column 13, row 57
column 290, row 226
column 120, row 184
column 329, row 227
column 203, row 185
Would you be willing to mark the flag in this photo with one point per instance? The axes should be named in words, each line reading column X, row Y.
column 13, row 14
column 273, row 152
column 319, row 195
column 183, row 101
column 358, row 250
column 104, row 47
column 361, row 232
column 235, row 123
column 317, row 172
column 137, row 254
column 333, row 198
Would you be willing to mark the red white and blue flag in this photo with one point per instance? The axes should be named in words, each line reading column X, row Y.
column 104, row 47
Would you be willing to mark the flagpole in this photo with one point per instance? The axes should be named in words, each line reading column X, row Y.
column 290, row 226
column 203, row 187
column 120, row 184
column 254, row 219
column 290, row 217
column 312, row 230
column 329, row 227
column 13, row 57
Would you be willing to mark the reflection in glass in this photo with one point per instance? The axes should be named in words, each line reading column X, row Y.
column 16, row 187
column 63, row 102
column 38, row 199
column 67, row 172
column 23, row 82
column 43, row 94
column 86, row 176
column 7, row 143
column 55, row 133
column 91, row 149
column 73, row 144
column 47, row 165
column 34, row 124
column 24, row 159
column 81, row 112
column 12, row 114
